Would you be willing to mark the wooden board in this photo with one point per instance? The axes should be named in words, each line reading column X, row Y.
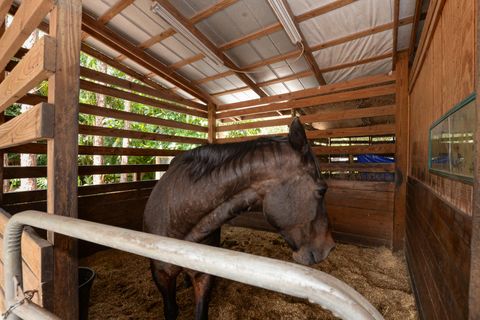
column 438, row 253
column 37, row 256
column 35, row 67
column 35, row 124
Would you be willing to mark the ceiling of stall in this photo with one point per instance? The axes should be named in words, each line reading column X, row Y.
column 347, row 39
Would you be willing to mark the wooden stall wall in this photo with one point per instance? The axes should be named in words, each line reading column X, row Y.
column 439, row 208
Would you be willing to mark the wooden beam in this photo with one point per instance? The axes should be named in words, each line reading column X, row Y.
column 401, row 152
column 184, row 62
column 474, row 290
column 36, row 66
column 209, row 11
column 62, row 157
column 215, row 77
column 201, row 37
column 113, row 92
column 361, row 167
column 313, row 101
column 4, row 8
column 357, row 149
column 131, row 134
column 396, row 13
column 27, row 18
column 357, row 63
column 330, row 88
column 416, row 21
column 156, row 39
column 277, row 26
column 118, row 7
column 212, row 124
column 307, row 51
column 433, row 16
column 2, row 117
column 35, row 124
column 114, row 41
column 129, row 85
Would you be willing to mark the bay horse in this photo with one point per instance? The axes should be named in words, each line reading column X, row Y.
column 206, row 187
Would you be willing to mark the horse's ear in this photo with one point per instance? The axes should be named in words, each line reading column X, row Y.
column 297, row 136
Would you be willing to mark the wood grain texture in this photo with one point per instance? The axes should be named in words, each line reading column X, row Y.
column 36, row 66
column 114, row 10
column 402, row 130
column 445, row 79
column 35, row 124
column 62, row 157
column 361, row 149
column 28, row 16
column 438, row 253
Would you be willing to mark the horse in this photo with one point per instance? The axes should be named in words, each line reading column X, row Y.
column 207, row 186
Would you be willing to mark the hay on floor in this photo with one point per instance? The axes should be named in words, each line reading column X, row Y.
column 124, row 289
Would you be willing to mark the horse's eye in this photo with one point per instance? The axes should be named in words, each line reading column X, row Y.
column 320, row 193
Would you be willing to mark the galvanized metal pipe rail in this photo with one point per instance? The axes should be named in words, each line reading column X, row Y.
column 285, row 277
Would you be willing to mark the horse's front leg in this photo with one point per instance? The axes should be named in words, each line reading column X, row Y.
column 167, row 285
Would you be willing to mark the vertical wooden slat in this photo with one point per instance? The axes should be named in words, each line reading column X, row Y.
column 396, row 12
column 212, row 123
column 474, row 290
column 2, row 115
column 401, row 151
column 65, row 27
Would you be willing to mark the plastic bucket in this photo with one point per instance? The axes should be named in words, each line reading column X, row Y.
column 85, row 282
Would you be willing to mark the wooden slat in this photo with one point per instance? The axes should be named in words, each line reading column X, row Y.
column 396, row 13
column 4, row 8
column 156, row 39
column 313, row 101
column 27, row 18
column 114, row 41
column 330, row 88
column 361, row 185
column 361, row 167
column 36, row 66
column 359, row 149
column 211, row 10
column 33, row 99
column 129, row 85
column 118, row 7
column 113, row 92
column 120, row 133
column 41, row 171
column 416, row 20
column 35, row 124
column 185, row 62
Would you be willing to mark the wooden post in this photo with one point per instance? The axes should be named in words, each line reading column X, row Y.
column 474, row 294
column 62, row 172
column 401, row 151
column 2, row 116
column 212, row 123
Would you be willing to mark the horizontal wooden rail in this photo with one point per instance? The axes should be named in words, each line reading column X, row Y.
column 120, row 133
column 323, row 90
column 375, row 130
column 27, row 18
column 32, row 99
column 117, row 93
column 357, row 149
column 40, row 148
column 313, row 101
column 36, row 66
column 41, row 195
column 362, row 167
column 129, row 85
column 41, row 171
column 346, row 114
column 35, row 124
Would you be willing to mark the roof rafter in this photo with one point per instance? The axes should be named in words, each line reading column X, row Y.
column 121, row 45
column 277, row 26
column 307, row 51
column 114, row 10
column 207, row 12
column 228, row 63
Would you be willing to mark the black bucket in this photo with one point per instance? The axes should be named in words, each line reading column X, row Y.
column 85, row 282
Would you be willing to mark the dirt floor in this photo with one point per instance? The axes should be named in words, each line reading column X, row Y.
column 124, row 289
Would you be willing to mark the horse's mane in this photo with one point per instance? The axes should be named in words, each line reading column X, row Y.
column 202, row 161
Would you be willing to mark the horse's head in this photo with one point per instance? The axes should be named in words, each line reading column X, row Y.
column 296, row 205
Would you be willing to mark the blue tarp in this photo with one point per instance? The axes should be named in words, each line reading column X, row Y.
column 373, row 158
